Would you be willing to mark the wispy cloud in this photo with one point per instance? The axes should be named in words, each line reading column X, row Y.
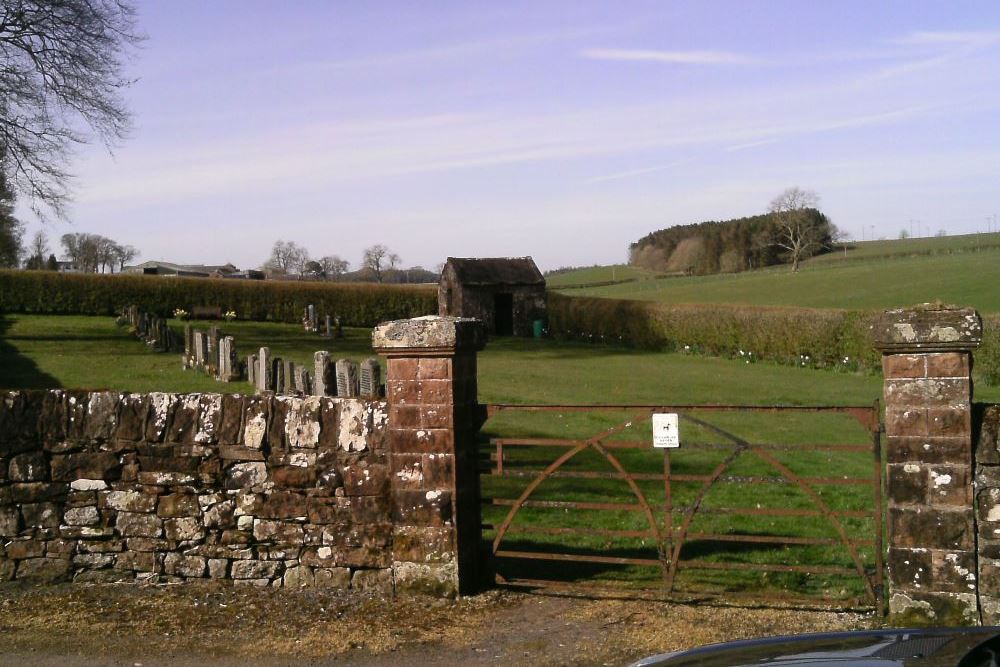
column 964, row 38
column 633, row 172
column 672, row 57
column 752, row 144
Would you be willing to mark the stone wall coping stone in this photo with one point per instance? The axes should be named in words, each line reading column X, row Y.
column 429, row 334
column 928, row 328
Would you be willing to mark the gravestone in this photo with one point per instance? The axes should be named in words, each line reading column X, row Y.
column 278, row 373
column 329, row 330
column 252, row 369
column 188, row 344
column 228, row 361
column 200, row 353
column 264, row 370
column 339, row 329
column 324, row 381
column 313, row 322
column 301, row 383
column 288, row 375
column 347, row 378
column 371, row 378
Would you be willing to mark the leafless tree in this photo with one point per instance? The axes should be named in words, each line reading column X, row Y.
column 796, row 230
column 62, row 73
column 287, row 258
column 333, row 267
column 378, row 259
column 125, row 254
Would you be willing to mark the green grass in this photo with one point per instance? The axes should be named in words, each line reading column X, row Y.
column 967, row 278
column 598, row 274
column 936, row 245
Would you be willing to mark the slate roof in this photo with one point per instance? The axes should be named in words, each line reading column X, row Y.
column 496, row 271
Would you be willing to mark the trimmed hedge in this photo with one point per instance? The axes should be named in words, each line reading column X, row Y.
column 357, row 304
column 801, row 336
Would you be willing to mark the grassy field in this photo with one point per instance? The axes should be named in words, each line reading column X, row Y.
column 92, row 352
column 598, row 274
column 872, row 274
column 961, row 278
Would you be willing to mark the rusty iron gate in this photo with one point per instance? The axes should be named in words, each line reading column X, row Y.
column 777, row 504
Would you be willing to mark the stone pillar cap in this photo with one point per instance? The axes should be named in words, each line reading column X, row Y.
column 429, row 334
column 928, row 327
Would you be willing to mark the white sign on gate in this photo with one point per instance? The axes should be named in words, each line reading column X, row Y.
column 665, row 431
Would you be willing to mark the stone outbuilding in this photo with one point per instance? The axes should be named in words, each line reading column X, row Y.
column 506, row 293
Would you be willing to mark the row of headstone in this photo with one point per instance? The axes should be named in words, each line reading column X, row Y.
column 310, row 322
column 152, row 329
column 328, row 378
column 211, row 352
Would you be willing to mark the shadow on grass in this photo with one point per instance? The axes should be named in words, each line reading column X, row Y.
column 20, row 372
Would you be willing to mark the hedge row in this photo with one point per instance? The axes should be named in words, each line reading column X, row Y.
column 357, row 304
column 801, row 336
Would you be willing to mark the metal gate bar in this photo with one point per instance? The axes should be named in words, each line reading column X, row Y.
column 672, row 538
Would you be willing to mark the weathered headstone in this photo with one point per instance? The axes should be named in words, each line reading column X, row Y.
column 252, row 369
column 329, row 329
column 265, row 373
column 288, row 375
column 200, row 352
column 313, row 323
column 301, row 383
column 347, row 378
column 188, row 344
column 324, row 381
column 278, row 373
column 371, row 377
column 339, row 328
column 228, row 361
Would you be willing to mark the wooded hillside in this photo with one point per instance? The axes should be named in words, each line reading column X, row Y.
column 727, row 246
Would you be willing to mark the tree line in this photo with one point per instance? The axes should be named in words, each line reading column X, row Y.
column 378, row 264
column 793, row 229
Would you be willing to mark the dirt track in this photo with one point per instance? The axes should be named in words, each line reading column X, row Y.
column 71, row 625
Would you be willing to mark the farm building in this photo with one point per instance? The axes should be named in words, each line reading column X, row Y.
column 507, row 293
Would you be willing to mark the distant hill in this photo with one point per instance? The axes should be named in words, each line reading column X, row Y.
column 962, row 270
column 727, row 246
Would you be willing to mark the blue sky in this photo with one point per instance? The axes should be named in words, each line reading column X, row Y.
column 558, row 130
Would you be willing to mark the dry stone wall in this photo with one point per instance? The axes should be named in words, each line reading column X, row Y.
column 259, row 490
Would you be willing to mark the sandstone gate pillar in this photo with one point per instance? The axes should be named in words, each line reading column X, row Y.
column 433, row 419
column 927, row 363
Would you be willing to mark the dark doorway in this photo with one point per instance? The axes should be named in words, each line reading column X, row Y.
column 503, row 314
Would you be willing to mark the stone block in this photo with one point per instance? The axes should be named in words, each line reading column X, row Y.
column 928, row 608
column 254, row 569
column 928, row 392
column 178, row 505
column 423, row 544
column 44, row 570
column 925, row 527
column 82, row 516
column 139, row 561
column 293, row 476
column 950, row 485
column 184, row 425
column 906, row 422
column 184, row 566
column 927, row 449
column 298, row 577
column 365, row 480
column 34, row 492
column 41, row 515
column 10, row 521
column 928, row 328
column 906, row 483
column 948, row 364
column 86, row 465
column 131, row 524
column 284, row 505
column 245, row 475
column 332, row 577
column 277, row 532
column 218, row 568
column 130, row 501
column 102, row 416
column 183, row 529
column 435, row 579
column 954, row 421
column 25, row 548
column 422, row 508
column 904, row 365
column 28, row 467
column 379, row 581
column 953, row 571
